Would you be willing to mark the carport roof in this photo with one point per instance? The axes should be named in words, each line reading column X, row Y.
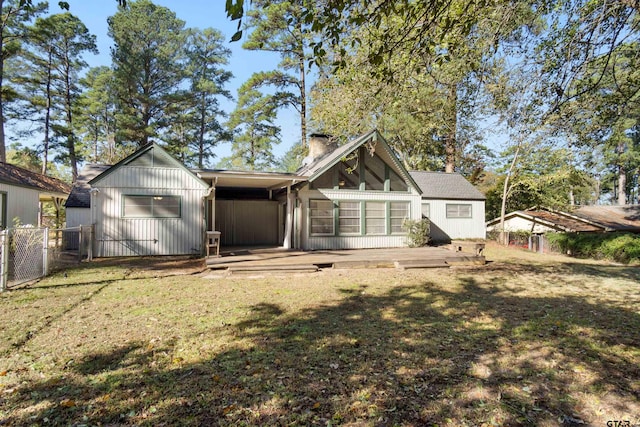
column 249, row 179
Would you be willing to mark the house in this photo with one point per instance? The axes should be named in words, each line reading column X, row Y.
column 453, row 205
column 583, row 219
column 353, row 196
column 22, row 193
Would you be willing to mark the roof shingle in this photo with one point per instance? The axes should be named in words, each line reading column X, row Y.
column 15, row 175
column 441, row 185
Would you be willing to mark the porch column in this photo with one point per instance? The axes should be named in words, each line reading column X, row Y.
column 212, row 204
column 288, row 228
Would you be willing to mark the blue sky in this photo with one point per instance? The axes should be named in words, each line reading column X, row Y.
column 196, row 14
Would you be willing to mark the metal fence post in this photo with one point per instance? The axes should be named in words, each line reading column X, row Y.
column 90, row 247
column 80, row 243
column 45, row 251
column 4, row 259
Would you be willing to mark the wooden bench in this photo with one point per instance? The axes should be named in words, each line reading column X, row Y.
column 464, row 246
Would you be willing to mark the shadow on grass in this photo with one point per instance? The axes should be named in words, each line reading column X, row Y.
column 416, row 355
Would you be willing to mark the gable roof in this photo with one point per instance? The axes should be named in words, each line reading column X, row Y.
column 557, row 220
column 158, row 153
column 614, row 218
column 15, row 175
column 441, row 185
column 326, row 162
column 80, row 196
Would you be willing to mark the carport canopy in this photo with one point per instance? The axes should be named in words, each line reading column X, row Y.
column 271, row 181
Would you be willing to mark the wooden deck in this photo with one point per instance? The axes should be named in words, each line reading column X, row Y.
column 253, row 260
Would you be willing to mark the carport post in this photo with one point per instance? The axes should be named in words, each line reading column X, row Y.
column 288, row 232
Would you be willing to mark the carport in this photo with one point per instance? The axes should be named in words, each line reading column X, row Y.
column 251, row 208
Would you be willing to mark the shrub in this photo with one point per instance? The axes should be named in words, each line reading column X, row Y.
column 620, row 247
column 417, row 231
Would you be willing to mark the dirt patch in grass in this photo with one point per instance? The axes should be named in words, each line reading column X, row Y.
column 527, row 340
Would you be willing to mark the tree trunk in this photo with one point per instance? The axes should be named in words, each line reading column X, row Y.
column 505, row 192
column 47, row 118
column 622, row 186
column 3, row 151
column 450, row 139
column 303, row 101
column 203, row 113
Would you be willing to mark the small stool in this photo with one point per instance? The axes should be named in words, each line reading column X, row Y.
column 213, row 242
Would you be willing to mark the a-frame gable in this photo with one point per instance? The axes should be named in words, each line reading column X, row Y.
column 151, row 156
column 374, row 144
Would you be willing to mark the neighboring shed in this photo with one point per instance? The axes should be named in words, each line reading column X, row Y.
column 148, row 204
column 454, row 206
column 78, row 205
column 357, row 195
column 540, row 221
column 22, row 192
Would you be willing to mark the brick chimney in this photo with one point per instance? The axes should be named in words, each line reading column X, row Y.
column 320, row 144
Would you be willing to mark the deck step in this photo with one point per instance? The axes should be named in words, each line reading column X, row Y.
column 421, row 263
column 466, row 260
column 283, row 268
column 363, row 264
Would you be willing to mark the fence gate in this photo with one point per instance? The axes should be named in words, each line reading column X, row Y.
column 23, row 255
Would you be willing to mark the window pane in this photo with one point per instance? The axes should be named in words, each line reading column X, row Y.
column 348, row 175
column 166, row 206
column 375, row 217
column 151, row 206
column 398, row 212
column 396, row 183
column 373, row 173
column 426, row 210
column 458, row 210
column 324, row 181
column 349, row 217
column 321, row 217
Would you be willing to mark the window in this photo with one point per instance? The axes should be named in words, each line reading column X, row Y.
column 398, row 212
column 375, row 217
column 323, row 181
column 348, row 174
column 373, row 173
column 426, row 210
column 349, row 218
column 321, row 217
column 396, row 183
column 151, row 206
column 455, row 210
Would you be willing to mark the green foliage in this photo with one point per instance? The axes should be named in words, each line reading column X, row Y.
column 619, row 247
column 278, row 26
column 252, row 123
column 149, row 66
column 292, row 159
column 418, row 231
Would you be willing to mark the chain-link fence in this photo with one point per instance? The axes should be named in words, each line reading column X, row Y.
column 30, row 253
column 24, row 255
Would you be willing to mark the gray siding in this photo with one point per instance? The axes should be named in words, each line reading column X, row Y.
column 22, row 203
column 444, row 229
column 118, row 236
column 78, row 216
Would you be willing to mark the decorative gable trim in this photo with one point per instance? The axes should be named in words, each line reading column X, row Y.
column 370, row 141
column 157, row 152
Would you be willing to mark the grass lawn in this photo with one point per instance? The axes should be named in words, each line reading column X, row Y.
column 527, row 340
